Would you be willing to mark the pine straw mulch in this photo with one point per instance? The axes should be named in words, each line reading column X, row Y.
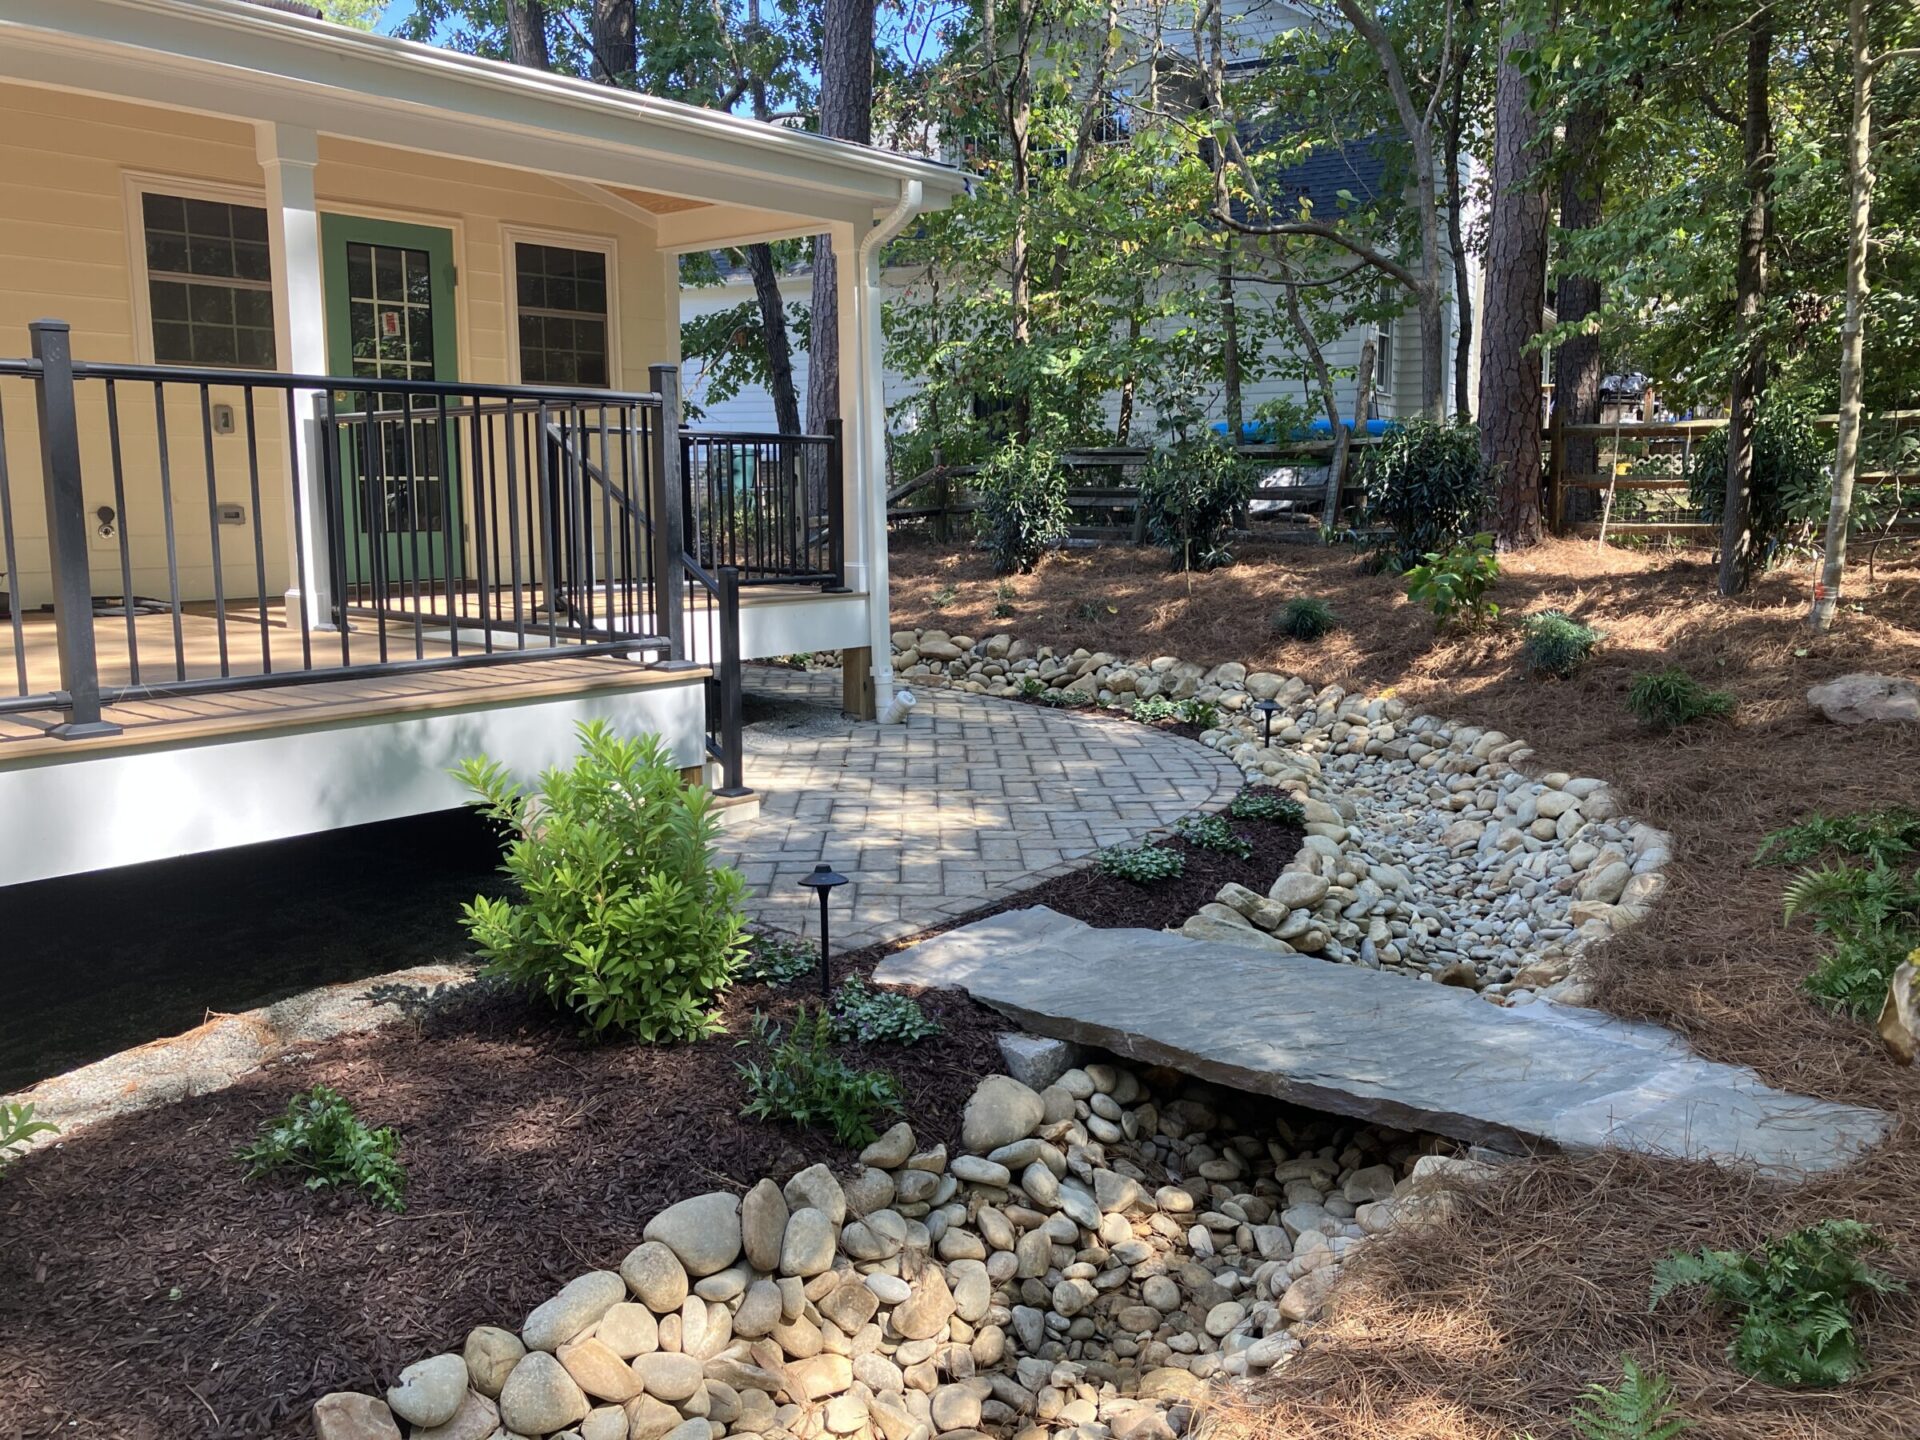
column 1492, row 1327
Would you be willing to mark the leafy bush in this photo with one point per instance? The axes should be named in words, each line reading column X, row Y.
column 17, row 1127
column 1556, row 644
column 1635, row 1409
column 1190, row 492
column 321, row 1138
column 1142, row 864
column 1270, row 805
column 1036, row 690
column 1003, row 598
column 777, row 960
column 1790, row 484
column 1872, row 918
column 1879, row 836
column 1425, row 484
column 1454, row 584
column 1667, row 699
column 869, row 1016
column 1211, row 832
column 1021, row 504
column 624, row 918
column 1304, row 618
column 1793, row 1300
column 806, row 1083
column 1158, row 709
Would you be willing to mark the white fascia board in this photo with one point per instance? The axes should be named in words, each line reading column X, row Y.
column 232, row 58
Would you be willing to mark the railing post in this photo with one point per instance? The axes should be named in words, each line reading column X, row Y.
column 67, row 531
column 732, row 747
column 669, row 513
column 837, row 505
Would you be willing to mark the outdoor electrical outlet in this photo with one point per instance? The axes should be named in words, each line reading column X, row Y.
column 223, row 419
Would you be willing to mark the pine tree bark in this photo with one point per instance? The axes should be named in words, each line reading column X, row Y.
column 846, row 113
column 1514, row 306
column 527, row 34
column 610, row 27
column 1230, row 346
column 1577, row 362
column 1457, row 246
column 773, row 331
column 1738, row 553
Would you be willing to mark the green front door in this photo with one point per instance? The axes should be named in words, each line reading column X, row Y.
column 389, row 290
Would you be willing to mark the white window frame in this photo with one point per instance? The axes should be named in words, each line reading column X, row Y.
column 1383, row 359
column 512, row 237
column 137, row 184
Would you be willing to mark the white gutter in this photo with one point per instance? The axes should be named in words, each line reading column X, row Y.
column 873, row 444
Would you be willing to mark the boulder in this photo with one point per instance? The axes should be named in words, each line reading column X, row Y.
column 1001, row 1111
column 703, row 1232
column 1864, row 698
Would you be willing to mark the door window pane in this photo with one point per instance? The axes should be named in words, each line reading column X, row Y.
column 563, row 315
column 209, row 282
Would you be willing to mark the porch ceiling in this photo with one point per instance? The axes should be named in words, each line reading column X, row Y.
column 241, row 61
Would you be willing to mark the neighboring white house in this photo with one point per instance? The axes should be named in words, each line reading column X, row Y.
column 242, row 601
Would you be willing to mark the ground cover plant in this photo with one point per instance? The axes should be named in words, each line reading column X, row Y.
column 320, row 1140
column 777, row 960
column 1212, row 832
column 1554, row 643
column 1881, row 837
column 1141, row 864
column 1274, row 805
column 805, row 1081
column 1870, row 917
column 1669, row 698
column 1159, row 710
column 1640, row 1407
column 879, row 1017
column 623, row 919
column 1304, row 618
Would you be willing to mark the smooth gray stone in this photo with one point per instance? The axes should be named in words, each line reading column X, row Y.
column 1379, row 1046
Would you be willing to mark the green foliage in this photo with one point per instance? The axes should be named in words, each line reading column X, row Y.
column 867, row 1016
column 1038, row 692
column 725, row 352
column 1792, row 1300
column 1021, row 498
column 1667, row 699
column 1426, row 485
column 1879, row 836
column 1272, row 805
column 806, row 1083
column 1191, row 492
column 1454, row 584
column 1790, row 484
column 1212, row 832
column 624, row 919
column 319, row 1137
column 17, row 1127
column 777, row 960
column 1872, row 919
column 1638, row 1408
column 1003, row 598
column 1158, row 709
column 1555, row 644
column 943, row 596
column 1141, row 864
column 1304, row 618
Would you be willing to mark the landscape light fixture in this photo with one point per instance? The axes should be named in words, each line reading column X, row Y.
column 824, row 880
column 1266, row 709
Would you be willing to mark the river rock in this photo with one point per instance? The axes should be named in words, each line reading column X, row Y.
column 1001, row 1111
column 577, row 1307
column 703, row 1232
column 429, row 1391
column 540, row 1397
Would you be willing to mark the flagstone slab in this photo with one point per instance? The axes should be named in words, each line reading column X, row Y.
column 1381, row 1047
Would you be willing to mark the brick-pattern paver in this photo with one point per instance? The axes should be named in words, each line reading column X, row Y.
column 971, row 800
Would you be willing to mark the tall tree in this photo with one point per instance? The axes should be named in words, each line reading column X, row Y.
column 527, row 34
column 1737, row 551
column 1577, row 362
column 1515, row 301
column 846, row 113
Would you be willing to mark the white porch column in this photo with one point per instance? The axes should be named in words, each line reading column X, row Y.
column 288, row 155
column 863, row 413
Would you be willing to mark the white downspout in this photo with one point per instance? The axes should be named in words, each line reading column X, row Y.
column 870, row 376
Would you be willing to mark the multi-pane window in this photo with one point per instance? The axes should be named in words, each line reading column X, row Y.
column 562, row 315
column 1383, row 360
column 209, row 282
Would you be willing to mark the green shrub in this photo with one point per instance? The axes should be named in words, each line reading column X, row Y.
column 806, row 1083
column 1667, row 699
column 1020, row 497
column 1637, row 1408
column 1872, row 919
column 1003, row 598
column 1879, row 836
column 320, row 1138
column 17, row 1127
column 777, row 960
column 1211, row 832
column 1272, row 805
column 1555, row 644
column 1454, row 584
column 1190, row 492
column 1792, row 1300
column 624, row 919
column 1425, row 484
column 1304, row 618
column 1158, row 709
column 868, row 1016
column 1141, row 864
column 1790, row 482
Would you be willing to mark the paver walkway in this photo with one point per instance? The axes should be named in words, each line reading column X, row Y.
column 1379, row 1046
column 971, row 800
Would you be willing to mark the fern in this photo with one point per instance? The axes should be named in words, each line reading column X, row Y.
column 1873, row 919
column 1636, row 1409
column 1877, row 836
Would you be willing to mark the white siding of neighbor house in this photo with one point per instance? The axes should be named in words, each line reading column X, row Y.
column 70, row 236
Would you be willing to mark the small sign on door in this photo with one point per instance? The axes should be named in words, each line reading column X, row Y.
column 390, row 324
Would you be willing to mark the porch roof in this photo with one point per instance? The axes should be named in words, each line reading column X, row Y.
column 241, row 60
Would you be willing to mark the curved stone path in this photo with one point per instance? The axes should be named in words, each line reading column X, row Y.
column 971, row 800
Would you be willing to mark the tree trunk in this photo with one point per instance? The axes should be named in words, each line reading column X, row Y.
column 1457, row 246
column 773, row 330
column 1576, row 363
column 1515, row 301
column 1738, row 553
column 846, row 113
column 1343, row 438
column 527, row 34
column 610, row 26
column 1230, row 345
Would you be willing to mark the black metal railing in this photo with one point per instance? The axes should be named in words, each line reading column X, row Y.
column 714, row 618
column 770, row 506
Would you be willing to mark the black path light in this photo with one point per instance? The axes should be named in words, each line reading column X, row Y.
column 824, row 880
column 1266, row 709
